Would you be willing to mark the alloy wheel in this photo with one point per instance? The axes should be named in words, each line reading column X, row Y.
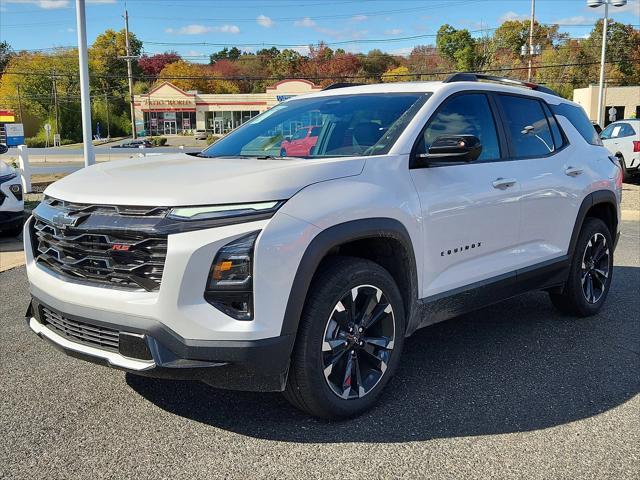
column 358, row 342
column 595, row 268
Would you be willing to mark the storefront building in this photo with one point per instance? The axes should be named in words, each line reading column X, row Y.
column 625, row 101
column 168, row 110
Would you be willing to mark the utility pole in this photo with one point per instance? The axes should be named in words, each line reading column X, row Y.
column 20, row 105
column 129, row 58
column 533, row 16
column 55, row 100
column 85, row 100
column 106, row 104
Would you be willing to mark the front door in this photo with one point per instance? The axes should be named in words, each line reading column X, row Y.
column 217, row 126
column 169, row 127
column 470, row 212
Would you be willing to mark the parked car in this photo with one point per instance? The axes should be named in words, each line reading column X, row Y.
column 622, row 138
column 300, row 143
column 134, row 144
column 420, row 201
column 11, row 199
column 200, row 135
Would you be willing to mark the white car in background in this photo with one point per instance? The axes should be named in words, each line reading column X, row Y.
column 622, row 138
column 11, row 201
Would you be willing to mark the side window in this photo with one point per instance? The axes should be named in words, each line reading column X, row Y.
column 558, row 139
column 578, row 118
column 626, row 131
column 528, row 127
column 467, row 114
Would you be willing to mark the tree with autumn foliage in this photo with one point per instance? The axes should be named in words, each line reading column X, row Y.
column 151, row 66
column 195, row 76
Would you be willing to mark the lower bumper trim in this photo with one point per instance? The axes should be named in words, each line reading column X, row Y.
column 112, row 358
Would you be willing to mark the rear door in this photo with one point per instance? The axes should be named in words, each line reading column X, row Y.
column 470, row 212
column 552, row 177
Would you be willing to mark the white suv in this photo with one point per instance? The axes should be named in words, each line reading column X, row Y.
column 622, row 138
column 11, row 199
column 249, row 270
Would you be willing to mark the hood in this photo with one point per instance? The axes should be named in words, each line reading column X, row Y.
column 5, row 169
column 181, row 180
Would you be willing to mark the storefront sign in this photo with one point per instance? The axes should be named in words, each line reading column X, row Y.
column 154, row 122
column 14, row 133
column 7, row 116
column 186, row 123
column 282, row 98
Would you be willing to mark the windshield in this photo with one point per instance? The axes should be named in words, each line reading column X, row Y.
column 335, row 126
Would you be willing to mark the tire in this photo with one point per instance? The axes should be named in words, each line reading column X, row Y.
column 323, row 388
column 12, row 231
column 576, row 298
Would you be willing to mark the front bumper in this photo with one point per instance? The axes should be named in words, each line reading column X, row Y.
column 153, row 350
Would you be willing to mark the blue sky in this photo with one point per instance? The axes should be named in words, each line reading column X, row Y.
column 196, row 28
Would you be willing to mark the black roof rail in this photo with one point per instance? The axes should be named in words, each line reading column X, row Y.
column 476, row 77
column 341, row 85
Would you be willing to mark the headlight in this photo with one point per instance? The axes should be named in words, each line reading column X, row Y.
column 223, row 211
column 230, row 283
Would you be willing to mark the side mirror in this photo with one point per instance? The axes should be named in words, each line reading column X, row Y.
column 452, row 149
column 3, row 148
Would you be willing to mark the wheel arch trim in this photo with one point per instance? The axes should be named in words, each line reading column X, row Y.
column 591, row 200
column 335, row 236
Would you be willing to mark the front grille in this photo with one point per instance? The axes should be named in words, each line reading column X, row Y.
column 80, row 332
column 103, row 247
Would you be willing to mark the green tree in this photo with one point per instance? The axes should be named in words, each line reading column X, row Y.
column 6, row 52
column 458, row 46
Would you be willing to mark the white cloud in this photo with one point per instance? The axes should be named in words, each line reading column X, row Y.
column 511, row 15
column 305, row 22
column 45, row 4
column 577, row 20
column 264, row 21
column 393, row 31
column 359, row 18
column 227, row 29
column 71, row 30
column 196, row 29
column 190, row 30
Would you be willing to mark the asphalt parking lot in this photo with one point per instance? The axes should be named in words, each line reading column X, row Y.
column 512, row 391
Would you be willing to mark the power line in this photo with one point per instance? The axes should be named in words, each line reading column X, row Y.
column 310, row 77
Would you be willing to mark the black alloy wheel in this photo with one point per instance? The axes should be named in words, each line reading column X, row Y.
column 358, row 342
column 595, row 268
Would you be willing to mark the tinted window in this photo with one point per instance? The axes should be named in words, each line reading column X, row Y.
column 617, row 130
column 350, row 125
column 464, row 115
column 300, row 134
column 528, row 126
column 579, row 120
column 558, row 139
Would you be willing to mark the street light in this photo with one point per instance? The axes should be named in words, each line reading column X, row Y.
column 605, row 24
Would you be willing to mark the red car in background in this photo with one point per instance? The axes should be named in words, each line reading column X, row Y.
column 300, row 143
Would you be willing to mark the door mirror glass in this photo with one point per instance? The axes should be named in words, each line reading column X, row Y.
column 453, row 149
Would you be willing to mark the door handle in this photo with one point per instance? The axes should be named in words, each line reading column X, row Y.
column 573, row 171
column 503, row 183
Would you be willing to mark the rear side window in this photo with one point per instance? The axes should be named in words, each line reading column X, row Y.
column 528, row 127
column 579, row 120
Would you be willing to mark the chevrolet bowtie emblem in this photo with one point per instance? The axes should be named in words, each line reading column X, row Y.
column 62, row 220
